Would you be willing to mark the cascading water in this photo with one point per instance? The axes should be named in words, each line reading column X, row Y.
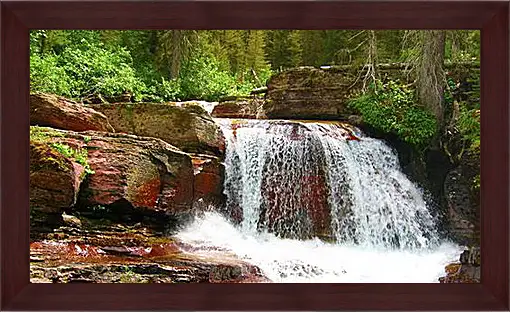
column 289, row 183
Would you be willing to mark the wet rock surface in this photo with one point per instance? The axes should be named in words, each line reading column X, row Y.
column 467, row 270
column 463, row 201
column 101, row 252
column 209, row 175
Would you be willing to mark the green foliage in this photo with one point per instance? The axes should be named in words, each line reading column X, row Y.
column 45, row 135
column 78, row 155
column 128, row 276
column 173, row 65
column 391, row 107
column 205, row 81
column 283, row 48
column 468, row 122
column 469, row 127
column 95, row 69
column 47, row 76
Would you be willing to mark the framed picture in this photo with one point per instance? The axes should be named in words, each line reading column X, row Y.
column 254, row 155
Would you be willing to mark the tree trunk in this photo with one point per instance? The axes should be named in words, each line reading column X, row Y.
column 177, row 46
column 431, row 79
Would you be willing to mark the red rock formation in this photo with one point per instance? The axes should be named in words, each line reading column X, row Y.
column 53, row 111
column 208, row 182
column 147, row 173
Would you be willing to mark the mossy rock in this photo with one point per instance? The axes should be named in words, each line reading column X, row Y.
column 185, row 125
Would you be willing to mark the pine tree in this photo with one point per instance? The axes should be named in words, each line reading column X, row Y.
column 255, row 57
column 174, row 49
column 283, row 48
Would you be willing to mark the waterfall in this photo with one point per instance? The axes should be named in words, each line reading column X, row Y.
column 320, row 202
column 305, row 179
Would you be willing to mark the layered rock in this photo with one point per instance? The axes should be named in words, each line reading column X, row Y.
column 185, row 125
column 55, row 178
column 310, row 93
column 126, row 173
column 102, row 253
column 57, row 112
column 250, row 107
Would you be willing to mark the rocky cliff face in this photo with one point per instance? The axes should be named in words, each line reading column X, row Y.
column 103, row 203
column 463, row 200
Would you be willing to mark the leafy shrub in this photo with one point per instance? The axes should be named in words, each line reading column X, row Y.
column 391, row 107
column 201, row 78
column 78, row 63
column 95, row 69
column 47, row 76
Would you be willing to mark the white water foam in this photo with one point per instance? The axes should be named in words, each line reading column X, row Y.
column 277, row 174
column 313, row 261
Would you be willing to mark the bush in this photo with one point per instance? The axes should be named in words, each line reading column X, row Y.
column 391, row 107
column 47, row 76
column 95, row 69
column 201, row 78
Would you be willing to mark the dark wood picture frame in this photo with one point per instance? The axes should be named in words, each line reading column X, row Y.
column 18, row 17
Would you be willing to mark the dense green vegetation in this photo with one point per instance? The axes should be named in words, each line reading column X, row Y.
column 184, row 64
column 392, row 107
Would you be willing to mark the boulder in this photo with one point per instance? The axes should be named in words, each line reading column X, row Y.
column 311, row 93
column 208, row 182
column 185, row 125
column 57, row 112
column 55, row 178
column 127, row 174
column 102, row 253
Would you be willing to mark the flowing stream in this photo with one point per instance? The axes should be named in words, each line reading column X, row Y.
column 321, row 202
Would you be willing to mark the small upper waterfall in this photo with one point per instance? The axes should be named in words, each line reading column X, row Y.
column 301, row 180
